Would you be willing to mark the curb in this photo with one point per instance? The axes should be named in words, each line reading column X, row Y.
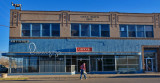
column 98, row 76
column 77, row 76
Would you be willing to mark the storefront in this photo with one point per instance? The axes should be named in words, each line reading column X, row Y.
column 94, row 63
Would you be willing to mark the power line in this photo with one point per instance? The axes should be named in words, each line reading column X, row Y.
column 4, row 25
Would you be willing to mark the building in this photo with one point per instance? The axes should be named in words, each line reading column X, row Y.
column 59, row 42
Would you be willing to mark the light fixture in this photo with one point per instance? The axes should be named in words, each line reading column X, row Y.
column 16, row 5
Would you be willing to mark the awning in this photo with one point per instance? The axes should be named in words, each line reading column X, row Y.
column 70, row 53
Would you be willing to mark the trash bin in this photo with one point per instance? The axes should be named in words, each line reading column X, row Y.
column 3, row 75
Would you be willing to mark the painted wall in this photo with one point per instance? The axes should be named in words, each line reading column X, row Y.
column 69, row 45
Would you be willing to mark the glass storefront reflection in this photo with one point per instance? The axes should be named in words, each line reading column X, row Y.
column 99, row 63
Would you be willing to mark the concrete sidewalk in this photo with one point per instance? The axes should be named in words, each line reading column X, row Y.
column 76, row 76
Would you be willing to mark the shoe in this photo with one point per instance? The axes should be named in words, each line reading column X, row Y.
column 81, row 79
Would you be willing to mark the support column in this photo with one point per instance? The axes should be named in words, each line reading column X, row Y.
column 158, row 59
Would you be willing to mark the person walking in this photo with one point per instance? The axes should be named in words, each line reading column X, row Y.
column 83, row 71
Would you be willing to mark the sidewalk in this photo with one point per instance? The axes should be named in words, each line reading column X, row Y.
column 76, row 76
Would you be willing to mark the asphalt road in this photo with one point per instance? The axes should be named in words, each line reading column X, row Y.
column 92, row 80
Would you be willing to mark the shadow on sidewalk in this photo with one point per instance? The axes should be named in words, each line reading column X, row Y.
column 41, row 80
column 137, row 76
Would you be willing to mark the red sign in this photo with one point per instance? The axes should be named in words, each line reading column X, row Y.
column 83, row 49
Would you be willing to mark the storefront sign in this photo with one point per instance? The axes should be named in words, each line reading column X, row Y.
column 83, row 49
column 19, row 41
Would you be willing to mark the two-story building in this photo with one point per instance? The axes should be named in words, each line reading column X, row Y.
column 58, row 42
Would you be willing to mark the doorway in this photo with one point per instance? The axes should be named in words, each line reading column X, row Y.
column 149, row 64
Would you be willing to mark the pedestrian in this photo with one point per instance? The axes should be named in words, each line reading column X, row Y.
column 83, row 71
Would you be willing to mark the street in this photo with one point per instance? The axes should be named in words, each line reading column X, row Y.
column 92, row 80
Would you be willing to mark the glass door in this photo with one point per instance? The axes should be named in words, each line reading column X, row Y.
column 149, row 64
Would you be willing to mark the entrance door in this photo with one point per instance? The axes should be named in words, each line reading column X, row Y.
column 149, row 64
column 80, row 62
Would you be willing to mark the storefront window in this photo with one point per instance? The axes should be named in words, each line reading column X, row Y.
column 31, row 64
column 127, row 62
column 109, row 63
column 47, row 64
column 60, row 66
column 16, row 64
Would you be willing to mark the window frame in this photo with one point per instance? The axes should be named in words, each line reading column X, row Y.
column 41, row 31
column 101, row 30
column 90, row 30
column 28, row 30
column 32, row 30
column 51, row 29
column 136, row 31
column 79, row 26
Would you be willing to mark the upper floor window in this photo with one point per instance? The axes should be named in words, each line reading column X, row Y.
column 140, row 31
column 149, row 31
column 55, row 30
column 85, row 30
column 36, row 30
column 131, row 31
column 136, row 31
column 45, row 29
column 123, row 30
column 39, row 30
column 95, row 30
column 74, row 29
column 90, row 30
column 105, row 30
column 25, row 29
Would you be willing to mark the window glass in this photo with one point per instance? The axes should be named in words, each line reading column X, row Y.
column 148, row 28
column 109, row 68
column 149, row 31
column 123, row 29
column 108, row 61
column 95, row 30
column 45, row 29
column 136, row 31
column 85, row 30
column 127, row 62
column 140, row 31
column 55, row 29
column 74, row 29
column 25, row 29
column 105, row 30
column 131, row 31
column 35, row 29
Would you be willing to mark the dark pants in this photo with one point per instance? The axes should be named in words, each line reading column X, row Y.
column 83, row 73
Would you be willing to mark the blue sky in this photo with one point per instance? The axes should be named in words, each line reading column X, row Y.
column 130, row 6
